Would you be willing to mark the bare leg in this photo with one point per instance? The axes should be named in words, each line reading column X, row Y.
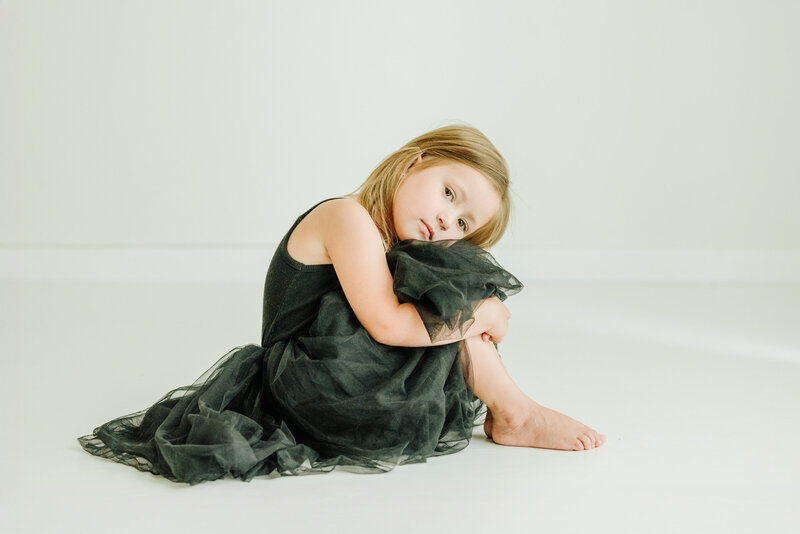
column 513, row 417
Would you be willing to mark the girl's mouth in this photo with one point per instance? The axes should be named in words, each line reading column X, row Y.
column 428, row 230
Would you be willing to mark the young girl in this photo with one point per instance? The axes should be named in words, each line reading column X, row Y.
column 382, row 314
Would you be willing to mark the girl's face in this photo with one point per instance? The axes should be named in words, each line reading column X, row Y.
column 447, row 201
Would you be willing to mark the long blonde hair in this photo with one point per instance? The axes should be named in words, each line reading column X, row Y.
column 455, row 143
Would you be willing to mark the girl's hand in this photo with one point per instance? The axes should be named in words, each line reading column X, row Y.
column 496, row 315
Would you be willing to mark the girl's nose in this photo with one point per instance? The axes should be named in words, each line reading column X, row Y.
column 443, row 223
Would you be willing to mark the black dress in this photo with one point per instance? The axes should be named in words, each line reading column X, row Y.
column 319, row 392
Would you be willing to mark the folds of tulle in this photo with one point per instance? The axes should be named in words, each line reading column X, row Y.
column 334, row 398
column 446, row 280
column 204, row 431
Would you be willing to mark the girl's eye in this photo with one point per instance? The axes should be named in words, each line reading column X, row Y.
column 462, row 224
column 448, row 192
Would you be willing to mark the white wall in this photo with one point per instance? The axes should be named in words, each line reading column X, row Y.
column 649, row 132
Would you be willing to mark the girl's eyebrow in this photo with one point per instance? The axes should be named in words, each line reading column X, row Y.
column 463, row 193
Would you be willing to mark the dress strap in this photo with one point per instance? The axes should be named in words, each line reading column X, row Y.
column 303, row 216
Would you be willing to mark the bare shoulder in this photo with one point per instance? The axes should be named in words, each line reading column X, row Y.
column 345, row 206
column 345, row 220
column 333, row 219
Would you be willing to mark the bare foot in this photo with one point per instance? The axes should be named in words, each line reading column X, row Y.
column 542, row 427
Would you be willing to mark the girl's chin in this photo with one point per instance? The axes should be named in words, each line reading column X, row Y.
column 404, row 236
column 411, row 237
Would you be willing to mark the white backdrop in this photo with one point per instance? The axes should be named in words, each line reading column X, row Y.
column 646, row 140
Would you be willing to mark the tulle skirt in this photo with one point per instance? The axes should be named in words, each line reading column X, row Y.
column 333, row 398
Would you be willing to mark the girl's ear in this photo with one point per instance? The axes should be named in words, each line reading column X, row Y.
column 418, row 160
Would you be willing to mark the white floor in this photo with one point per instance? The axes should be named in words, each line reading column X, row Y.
column 697, row 388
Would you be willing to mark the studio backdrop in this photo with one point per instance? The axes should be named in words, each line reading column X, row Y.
column 651, row 141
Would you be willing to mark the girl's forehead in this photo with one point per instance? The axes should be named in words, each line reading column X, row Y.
column 472, row 184
column 469, row 178
column 455, row 171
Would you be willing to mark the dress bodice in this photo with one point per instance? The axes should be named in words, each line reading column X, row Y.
column 292, row 292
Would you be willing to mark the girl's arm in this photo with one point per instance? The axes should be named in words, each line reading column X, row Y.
column 354, row 245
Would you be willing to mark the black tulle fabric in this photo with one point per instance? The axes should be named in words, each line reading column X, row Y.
column 331, row 398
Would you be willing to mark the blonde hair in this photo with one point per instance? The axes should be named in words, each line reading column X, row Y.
column 455, row 143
